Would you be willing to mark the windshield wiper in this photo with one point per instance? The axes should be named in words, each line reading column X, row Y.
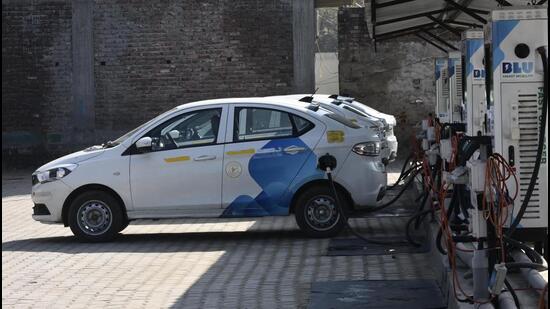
column 109, row 144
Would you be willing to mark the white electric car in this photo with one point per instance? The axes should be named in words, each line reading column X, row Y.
column 244, row 157
column 356, row 110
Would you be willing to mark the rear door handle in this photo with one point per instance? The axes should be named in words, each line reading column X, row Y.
column 294, row 149
column 204, row 158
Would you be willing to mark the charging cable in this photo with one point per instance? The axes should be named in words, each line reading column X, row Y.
column 328, row 163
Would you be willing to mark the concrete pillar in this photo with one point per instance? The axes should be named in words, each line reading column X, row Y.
column 303, row 37
column 83, row 88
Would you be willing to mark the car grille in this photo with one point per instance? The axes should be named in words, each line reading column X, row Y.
column 40, row 210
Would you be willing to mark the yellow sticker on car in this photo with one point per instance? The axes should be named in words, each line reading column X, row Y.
column 241, row 152
column 177, row 159
column 335, row 136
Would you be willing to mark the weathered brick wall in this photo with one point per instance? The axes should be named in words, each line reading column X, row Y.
column 36, row 73
column 165, row 53
column 390, row 79
column 149, row 56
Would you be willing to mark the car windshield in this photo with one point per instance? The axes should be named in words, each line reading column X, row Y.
column 127, row 135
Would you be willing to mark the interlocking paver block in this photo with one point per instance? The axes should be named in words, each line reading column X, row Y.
column 231, row 263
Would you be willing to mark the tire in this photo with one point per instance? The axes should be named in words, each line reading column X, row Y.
column 317, row 214
column 124, row 225
column 96, row 216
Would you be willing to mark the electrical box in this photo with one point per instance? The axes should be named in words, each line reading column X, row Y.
column 455, row 88
column 430, row 134
column 476, row 172
column 441, row 90
column 478, row 225
column 425, row 144
column 425, row 124
column 446, row 150
column 474, row 83
column 517, row 91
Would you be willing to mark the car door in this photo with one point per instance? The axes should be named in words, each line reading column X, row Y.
column 268, row 147
column 183, row 169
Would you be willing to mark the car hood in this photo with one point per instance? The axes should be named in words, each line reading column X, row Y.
column 75, row 157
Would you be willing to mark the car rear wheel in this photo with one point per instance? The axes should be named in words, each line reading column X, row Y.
column 317, row 214
column 95, row 216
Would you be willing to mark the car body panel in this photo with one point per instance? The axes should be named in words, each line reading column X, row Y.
column 257, row 174
column 181, row 178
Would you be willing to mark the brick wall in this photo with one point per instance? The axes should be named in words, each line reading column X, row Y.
column 36, row 73
column 166, row 53
column 149, row 56
column 390, row 79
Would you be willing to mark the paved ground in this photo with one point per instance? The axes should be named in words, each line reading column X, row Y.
column 189, row 263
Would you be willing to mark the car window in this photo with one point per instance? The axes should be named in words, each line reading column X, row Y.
column 302, row 125
column 188, row 129
column 127, row 135
column 252, row 123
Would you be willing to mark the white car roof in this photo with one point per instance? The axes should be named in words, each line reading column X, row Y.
column 324, row 99
column 365, row 108
column 282, row 101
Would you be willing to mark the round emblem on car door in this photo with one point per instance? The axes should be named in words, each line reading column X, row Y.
column 233, row 169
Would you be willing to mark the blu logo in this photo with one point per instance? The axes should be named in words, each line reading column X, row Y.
column 479, row 73
column 517, row 67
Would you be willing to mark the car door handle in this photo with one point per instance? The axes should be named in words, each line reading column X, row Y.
column 294, row 149
column 204, row 158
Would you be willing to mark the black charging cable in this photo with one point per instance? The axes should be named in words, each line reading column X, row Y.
column 328, row 163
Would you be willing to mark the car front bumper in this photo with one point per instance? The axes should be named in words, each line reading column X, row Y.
column 49, row 198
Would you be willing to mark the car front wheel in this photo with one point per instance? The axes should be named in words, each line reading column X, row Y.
column 317, row 214
column 95, row 216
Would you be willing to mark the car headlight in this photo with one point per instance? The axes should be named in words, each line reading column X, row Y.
column 367, row 149
column 53, row 173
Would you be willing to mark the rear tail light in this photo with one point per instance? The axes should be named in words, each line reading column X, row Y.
column 367, row 149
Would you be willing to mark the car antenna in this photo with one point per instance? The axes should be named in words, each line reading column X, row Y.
column 309, row 99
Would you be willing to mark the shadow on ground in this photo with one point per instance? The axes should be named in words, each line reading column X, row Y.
column 154, row 242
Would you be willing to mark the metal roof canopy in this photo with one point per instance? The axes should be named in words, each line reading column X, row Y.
column 430, row 19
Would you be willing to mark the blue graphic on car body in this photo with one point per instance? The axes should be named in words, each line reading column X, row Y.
column 276, row 174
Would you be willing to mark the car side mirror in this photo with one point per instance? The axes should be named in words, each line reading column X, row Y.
column 174, row 134
column 144, row 143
